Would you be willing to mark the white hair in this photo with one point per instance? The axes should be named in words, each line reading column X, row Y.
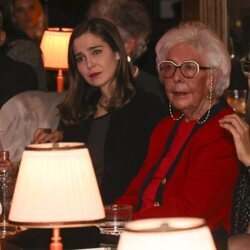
column 208, row 45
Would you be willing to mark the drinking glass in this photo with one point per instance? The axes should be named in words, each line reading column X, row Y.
column 116, row 216
column 237, row 100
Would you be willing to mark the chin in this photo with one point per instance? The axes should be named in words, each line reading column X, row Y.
column 180, row 105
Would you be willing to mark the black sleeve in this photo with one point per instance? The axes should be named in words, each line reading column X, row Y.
column 18, row 78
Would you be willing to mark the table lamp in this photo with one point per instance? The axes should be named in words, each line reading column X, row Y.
column 54, row 46
column 166, row 233
column 56, row 187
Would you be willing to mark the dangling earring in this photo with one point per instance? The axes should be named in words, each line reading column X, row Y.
column 171, row 113
column 210, row 97
column 129, row 59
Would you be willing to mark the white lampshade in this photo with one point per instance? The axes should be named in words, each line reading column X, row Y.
column 56, row 186
column 166, row 233
column 54, row 46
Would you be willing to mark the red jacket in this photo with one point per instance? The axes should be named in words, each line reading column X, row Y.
column 203, row 182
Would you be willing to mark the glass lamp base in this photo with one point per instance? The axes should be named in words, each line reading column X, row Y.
column 7, row 229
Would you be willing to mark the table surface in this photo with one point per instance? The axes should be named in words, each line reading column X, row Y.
column 72, row 238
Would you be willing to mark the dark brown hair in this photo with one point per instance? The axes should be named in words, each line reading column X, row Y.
column 80, row 102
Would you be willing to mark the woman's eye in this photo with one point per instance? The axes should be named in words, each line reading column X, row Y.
column 79, row 59
column 97, row 51
column 169, row 67
column 190, row 67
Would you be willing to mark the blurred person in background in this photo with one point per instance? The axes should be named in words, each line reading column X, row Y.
column 134, row 24
column 21, row 48
column 15, row 77
column 30, row 18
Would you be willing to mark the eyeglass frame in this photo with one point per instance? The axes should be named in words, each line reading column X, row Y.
column 179, row 67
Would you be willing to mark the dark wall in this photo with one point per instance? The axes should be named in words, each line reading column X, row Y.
column 68, row 13
column 65, row 13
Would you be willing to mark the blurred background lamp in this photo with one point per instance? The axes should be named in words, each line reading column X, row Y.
column 56, row 187
column 54, row 46
column 166, row 233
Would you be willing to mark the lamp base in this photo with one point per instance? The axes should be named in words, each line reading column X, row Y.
column 7, row 229
column 60, row 81
column 56, row 243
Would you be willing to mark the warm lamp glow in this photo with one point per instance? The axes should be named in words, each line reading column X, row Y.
column 54, row 46
column 166, row 233
column 56, row 187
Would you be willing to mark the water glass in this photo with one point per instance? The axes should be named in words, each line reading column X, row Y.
column 116, row 216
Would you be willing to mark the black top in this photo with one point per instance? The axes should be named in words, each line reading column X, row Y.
column 96, row 143
column 15, row 77
column 126, row 141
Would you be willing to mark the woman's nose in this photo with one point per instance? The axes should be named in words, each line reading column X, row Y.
column 89, row 63
column 177, row 75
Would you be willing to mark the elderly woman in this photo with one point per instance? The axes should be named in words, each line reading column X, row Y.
column 191, row 167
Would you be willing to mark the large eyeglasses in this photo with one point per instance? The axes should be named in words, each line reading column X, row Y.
column 189, row 69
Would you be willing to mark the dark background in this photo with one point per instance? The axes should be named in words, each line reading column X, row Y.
column 68, row 13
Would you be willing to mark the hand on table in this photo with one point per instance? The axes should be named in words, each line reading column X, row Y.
column 240, row 132
column 42, row 135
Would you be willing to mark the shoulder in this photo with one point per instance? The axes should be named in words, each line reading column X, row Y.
column 164, row 126
column 24, row 44
column 145, row 109
column 23, row 48
column 212, row 133
column 219, row 111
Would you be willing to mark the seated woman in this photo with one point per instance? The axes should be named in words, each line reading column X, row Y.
column 104, row 109
column 191, row 166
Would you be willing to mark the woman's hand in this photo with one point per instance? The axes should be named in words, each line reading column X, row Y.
column 42, row 135
column 241, row 135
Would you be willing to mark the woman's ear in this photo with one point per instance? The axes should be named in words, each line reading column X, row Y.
column 130, row 45
column 2, row 37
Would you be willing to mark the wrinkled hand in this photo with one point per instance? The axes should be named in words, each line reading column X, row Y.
column 241, row 135
column 42, row 135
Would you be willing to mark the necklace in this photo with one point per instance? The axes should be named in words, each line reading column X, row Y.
column 171, row 113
